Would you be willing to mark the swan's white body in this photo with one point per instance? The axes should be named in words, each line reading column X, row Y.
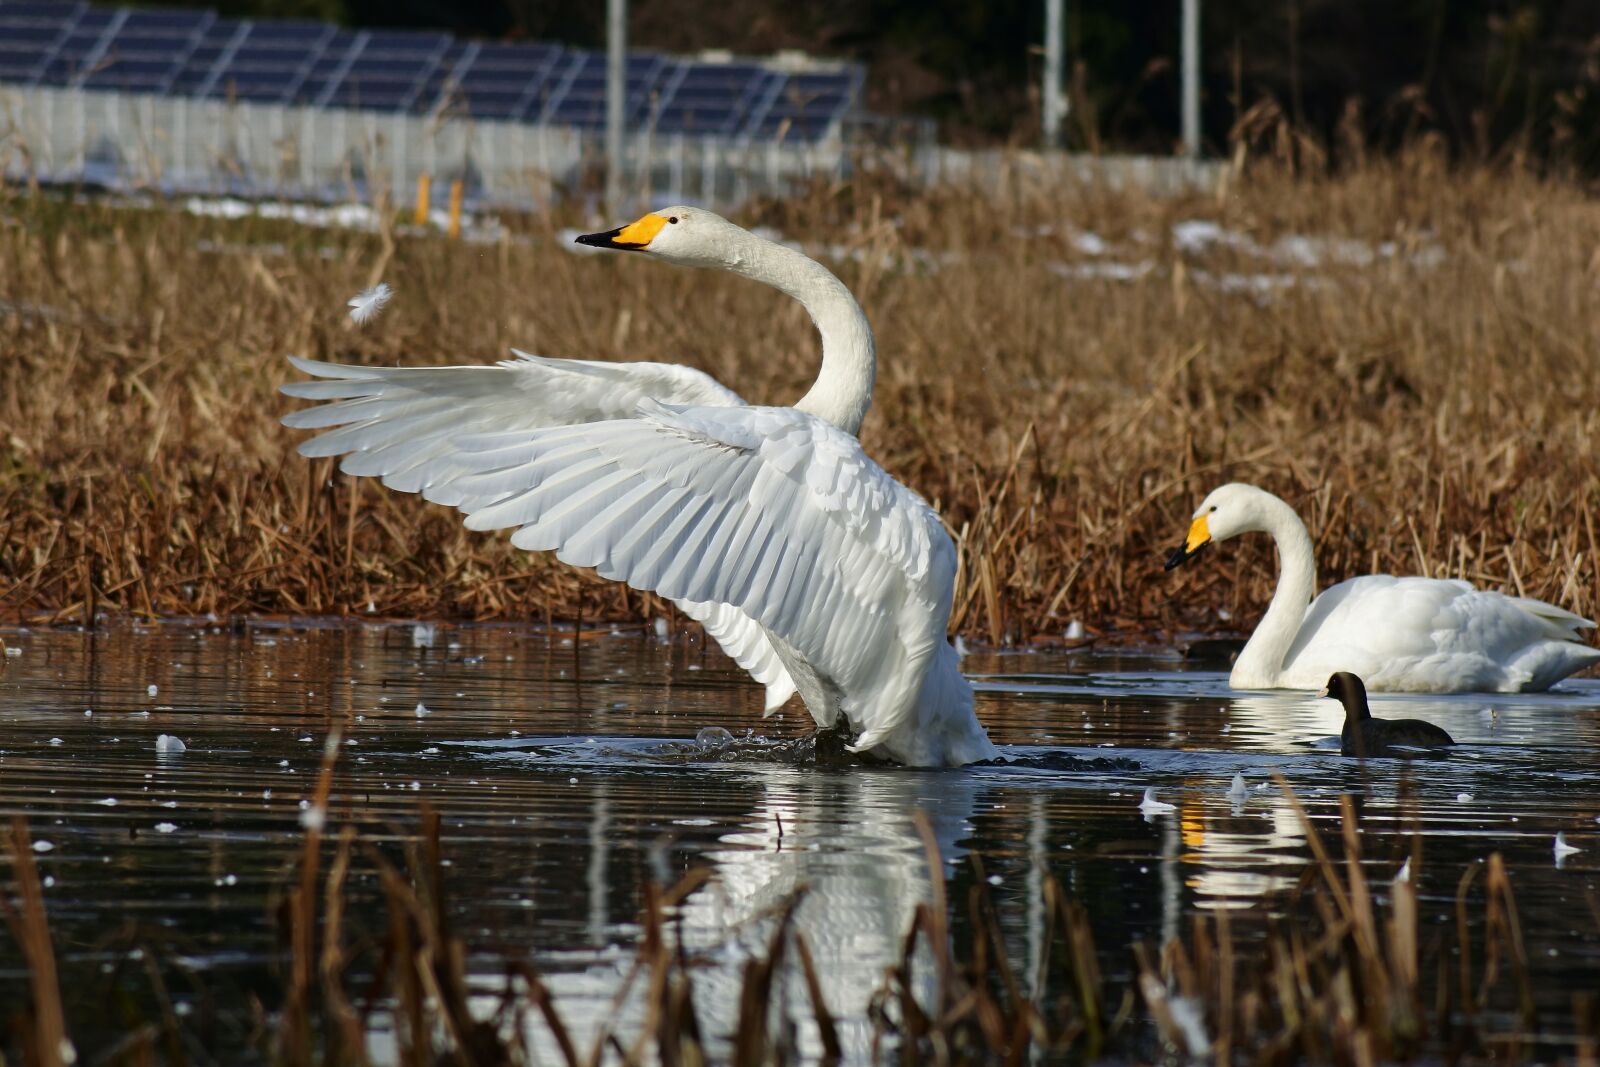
column 1400, row 635
column 810, row 566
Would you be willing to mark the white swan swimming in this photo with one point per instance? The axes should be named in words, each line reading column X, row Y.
column 811, row 567
column 1402, row 635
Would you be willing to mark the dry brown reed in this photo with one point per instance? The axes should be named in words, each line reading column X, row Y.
column 1340, row 977
column 1425, row 394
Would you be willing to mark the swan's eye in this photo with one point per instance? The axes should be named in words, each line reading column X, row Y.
column 672, row 219
column 1213, row 507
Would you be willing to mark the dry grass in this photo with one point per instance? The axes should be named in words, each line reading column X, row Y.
column 1346, row 973
column 1431, row 412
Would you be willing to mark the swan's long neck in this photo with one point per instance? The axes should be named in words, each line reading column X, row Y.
column 1261, row 661
column 843, row 389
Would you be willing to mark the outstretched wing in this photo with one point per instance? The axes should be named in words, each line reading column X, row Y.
column 767, row 510
column 398, row 423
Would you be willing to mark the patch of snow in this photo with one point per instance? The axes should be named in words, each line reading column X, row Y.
column 1110, row 271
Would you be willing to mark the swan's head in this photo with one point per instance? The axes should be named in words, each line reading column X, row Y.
column 1229, row 510
column 688, row 236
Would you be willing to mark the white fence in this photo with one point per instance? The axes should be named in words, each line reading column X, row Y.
column 184, row 144
column 191, row 145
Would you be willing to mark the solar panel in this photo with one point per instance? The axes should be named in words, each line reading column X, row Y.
column 184, row 51
column 803, row 106
column 19, row 64
column 500, row 81
column 197, row 70
column 730, row 76
column 326, row 68
column 250, row 54
column 141, row 21
column 95, row 19
column 712, row 98
column 370, row 66
column 492, row 103
column 387, row 70
column 29, row 34
column 76, row 50
column 290, row 33
column 131, row 75
column 434, row 82
column 204, row 65
column 268, row 61
column 578, row 96
column 405, row 42
column 516, row 57
column 22, row 10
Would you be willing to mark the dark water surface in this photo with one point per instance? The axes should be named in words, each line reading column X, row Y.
column 566, row 778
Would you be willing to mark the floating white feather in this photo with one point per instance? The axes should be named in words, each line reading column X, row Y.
column 1562, row 849
column 1151, row 806
column 366, row 304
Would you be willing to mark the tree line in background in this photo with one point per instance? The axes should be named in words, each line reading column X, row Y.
column 1489, row 77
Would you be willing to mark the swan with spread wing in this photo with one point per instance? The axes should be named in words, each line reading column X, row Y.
column 813, row 569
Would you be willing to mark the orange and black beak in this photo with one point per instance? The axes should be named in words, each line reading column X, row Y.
column 634, row 237
column 1199, row 537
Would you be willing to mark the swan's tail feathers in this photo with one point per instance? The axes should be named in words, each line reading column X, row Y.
column 1562, row 624
column 1562, row 652
column 938, row 729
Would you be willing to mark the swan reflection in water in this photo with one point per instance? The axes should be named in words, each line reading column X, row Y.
column 852, row 842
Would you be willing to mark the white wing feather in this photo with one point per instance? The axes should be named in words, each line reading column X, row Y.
column 746, row 644
column 399, row 424
column 366, row 304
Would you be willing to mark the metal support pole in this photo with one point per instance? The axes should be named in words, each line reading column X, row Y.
column 1191, row 78
column 616, row 99
column 1055, row 103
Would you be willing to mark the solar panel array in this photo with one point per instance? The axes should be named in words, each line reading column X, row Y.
column 171, row 52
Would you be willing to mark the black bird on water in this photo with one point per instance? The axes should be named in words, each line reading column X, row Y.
column 1365, row 736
